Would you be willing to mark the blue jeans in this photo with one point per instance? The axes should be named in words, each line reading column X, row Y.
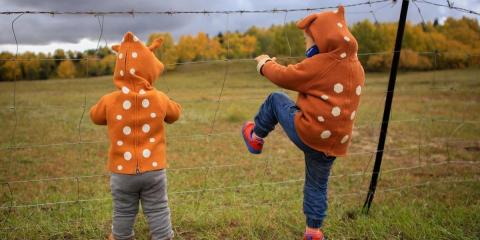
column 279, row 108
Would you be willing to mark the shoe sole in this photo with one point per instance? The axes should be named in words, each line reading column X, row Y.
column 250, row 149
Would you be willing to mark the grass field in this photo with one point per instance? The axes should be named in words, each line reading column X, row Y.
column 429, row 189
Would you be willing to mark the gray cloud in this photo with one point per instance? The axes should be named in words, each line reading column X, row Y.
column 44, row 29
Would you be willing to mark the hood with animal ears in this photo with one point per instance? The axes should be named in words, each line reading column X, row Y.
column 136, row 66
column 330, row 32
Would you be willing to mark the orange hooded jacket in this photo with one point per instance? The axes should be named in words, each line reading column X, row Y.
column 134, row 114
column 329, row 84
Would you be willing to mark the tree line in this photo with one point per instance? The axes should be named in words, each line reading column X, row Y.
column 453, row 44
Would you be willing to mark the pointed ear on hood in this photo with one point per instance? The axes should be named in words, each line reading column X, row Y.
column 341, row 11
column 155, row 44
column 304, row 23
column 115, row 48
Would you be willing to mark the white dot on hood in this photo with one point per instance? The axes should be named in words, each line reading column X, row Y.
column 336, row 111
column 325, row 134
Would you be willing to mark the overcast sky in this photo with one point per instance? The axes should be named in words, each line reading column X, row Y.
column 46, row 33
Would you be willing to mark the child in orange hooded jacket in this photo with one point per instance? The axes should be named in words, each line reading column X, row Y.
column 329, row 83
column 135, row 116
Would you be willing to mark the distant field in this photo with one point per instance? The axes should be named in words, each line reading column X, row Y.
column 429, row 189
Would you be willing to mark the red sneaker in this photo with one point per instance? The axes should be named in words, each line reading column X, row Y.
column 313, row 235
column 254, row 145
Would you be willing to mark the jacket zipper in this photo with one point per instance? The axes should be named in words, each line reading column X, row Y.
column 135, row 135
column 135, row 142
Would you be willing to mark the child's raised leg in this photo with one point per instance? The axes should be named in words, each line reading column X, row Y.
column 277, row 108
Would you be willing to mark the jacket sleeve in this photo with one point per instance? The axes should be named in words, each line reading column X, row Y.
column 292, row 77
column 98, row 112
column 173, row 111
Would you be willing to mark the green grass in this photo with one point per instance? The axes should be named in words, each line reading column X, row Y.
column 435, row 124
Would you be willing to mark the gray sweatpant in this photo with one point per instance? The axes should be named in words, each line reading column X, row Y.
column 150, row 189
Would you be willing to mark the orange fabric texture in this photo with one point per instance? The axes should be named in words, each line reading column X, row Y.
column 136, row 112
column 329, row 84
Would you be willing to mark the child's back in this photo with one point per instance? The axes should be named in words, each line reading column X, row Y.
column 329, row 84
column 135, row 116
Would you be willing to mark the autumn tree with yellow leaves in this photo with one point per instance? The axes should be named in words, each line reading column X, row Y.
column 168, row 52
column 66, row 69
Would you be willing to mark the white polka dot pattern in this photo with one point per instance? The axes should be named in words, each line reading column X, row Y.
column 343, row 55
column 134, row 55
column 153, row 115
column 154, row 164
column 120, row 55
column 324, row 97
column 344, row 139
column 118, row 117
column 146, row 153
column 320, row 119
column 325, row 134
column 132, row 71
column 127, row 156
column 358, row 91
column 145, row 103
column 338, row 88
column 119, row 167
column 127, row 130
column 336, row 111
column 352, row 116
column 146, row 128
column 121, row 73
column 125, row 90
column 119, row 143
column 347, row 39
column 142, row 92
column 127, row 104
column 340, row 25
column 152, row 140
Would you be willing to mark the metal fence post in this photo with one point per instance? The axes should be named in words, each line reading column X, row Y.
column 388, row 106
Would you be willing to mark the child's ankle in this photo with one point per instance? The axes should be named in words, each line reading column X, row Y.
column 254, row 136
column 312, row 230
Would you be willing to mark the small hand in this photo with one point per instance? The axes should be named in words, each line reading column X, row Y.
column 262, row 58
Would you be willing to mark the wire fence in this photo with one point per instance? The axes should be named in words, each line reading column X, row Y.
column 236, row 187
column 210, row 133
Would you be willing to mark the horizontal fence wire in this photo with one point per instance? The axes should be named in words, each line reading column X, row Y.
column 239, row 11
column 270, row 204
column 226, row 133
column 246, row 163
column 262, row 184
column 448, row 5
column 437, row 53
column 174, row 12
